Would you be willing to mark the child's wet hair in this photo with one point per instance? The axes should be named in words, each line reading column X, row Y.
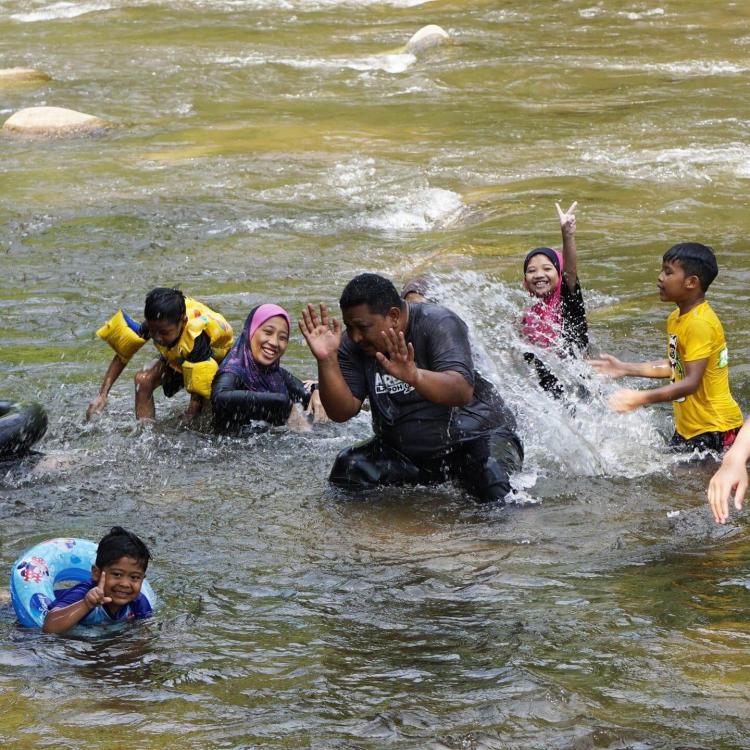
column 373, row 290
column 166, row 304
column 119, row 543
column 696, row 260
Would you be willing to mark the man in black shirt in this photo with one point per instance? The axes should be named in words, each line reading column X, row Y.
column 434, row 418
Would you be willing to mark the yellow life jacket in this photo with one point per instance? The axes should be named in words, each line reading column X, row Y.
column 200, row 319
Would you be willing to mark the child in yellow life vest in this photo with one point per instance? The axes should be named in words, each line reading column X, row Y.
column 706, row 415
column 190, row 338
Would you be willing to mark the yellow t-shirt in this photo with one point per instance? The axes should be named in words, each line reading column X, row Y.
column 698, row 334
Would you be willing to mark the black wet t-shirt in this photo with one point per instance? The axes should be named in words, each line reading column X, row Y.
column 409, row 422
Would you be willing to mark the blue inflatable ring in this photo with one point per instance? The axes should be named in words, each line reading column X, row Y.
column 39, row 571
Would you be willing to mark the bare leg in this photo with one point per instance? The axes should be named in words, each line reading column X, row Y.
column 147, row 381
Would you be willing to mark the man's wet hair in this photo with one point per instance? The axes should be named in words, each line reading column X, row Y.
column 696, row 260
column 373, row 290
column 119, row 543
column 164, row 303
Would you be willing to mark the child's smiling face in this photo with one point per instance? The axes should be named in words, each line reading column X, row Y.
column 123, row 580
column 541, row 277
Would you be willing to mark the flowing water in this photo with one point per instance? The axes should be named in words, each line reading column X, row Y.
column 269, row 150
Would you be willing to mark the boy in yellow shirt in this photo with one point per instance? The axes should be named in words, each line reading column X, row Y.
column 191, row 340
column 706, row 415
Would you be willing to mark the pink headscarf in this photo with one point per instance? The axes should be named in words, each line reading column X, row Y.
column 263, row 313
column 240, row 360
column 541, row 324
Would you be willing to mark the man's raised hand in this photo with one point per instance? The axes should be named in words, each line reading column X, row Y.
column 323, row 335
column 400, row 360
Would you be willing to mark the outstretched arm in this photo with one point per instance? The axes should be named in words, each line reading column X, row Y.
column 323, row 336
column 568, row 228
column 626, row 400
column 99, row 402
column 731, row 477
column 606, row 364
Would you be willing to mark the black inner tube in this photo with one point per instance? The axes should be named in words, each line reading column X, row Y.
column 21, row 425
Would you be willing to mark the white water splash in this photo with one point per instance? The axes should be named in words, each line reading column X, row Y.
column 62, row 10
column 388, row 63
column 578, row 435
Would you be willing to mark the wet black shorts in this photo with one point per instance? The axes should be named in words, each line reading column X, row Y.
column 706, row 441
column 172, row 381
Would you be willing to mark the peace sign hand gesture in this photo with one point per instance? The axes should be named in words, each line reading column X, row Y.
column 94, row 597
column 567, row 219
column 323, row 335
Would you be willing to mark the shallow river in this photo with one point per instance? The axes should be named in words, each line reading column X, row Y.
column 269, row 150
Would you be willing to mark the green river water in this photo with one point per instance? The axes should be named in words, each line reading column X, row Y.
column 268, row 150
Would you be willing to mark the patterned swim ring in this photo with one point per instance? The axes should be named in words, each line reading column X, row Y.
column 39, row 571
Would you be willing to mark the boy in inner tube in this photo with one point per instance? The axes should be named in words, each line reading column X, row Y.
column 191, row 340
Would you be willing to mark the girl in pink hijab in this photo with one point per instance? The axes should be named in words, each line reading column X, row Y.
column 557, row 320
column 250, row 384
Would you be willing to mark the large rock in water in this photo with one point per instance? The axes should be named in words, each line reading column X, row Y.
column 52, row 121
column 11, row 76
column 426, row 37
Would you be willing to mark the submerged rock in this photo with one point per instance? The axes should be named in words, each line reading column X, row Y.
column 52, row 121
column 427, row 37
column 10, row 76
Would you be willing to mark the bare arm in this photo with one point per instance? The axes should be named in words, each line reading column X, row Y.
column 64, row 618
column 731, row 477
column 99, row 402
column 606, row 364
column 568, row 228
column 323, row 336
column 626, row 400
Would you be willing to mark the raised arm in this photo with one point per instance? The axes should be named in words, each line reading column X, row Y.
column 323, row 337
column 99, row 402
column 568, row 228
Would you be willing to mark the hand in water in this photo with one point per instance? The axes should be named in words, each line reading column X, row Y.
column 323, row 335
column 94, row 597
column 731, row 477
column 96, row 406
column 316, row 410
column 606, row 364
column 400, row 360
column 567, row 218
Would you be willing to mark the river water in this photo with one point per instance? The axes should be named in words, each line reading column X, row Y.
column 269, row 150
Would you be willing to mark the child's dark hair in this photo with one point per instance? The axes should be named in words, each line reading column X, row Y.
column 696, row 260
column 163, row 303
column 121, row 543
column 370, row 289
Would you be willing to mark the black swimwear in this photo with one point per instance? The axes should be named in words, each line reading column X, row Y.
column 417, row 440
column 706, row 441
column 235, row 406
